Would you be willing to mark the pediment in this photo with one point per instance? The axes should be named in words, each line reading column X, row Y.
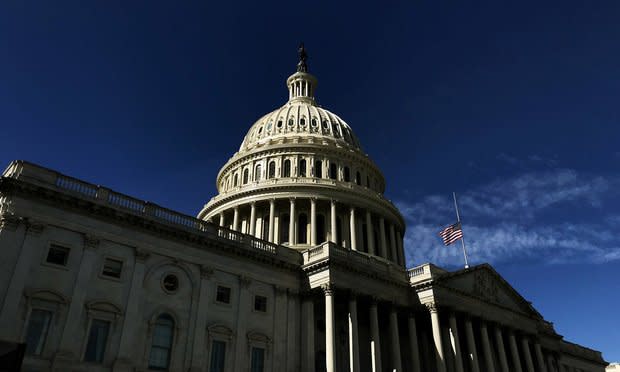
column 484, row 283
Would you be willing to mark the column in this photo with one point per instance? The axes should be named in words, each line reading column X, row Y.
column 384, row 249
column 516, row 360
column 486, row 347
column 307, row 341
column 393, row 244
column 236, row 219
column 330, row 329
column 439, row 357
column 253, row 218
column 369, row 234
column 501, row 352
column 529, row 363
column 128, row 342
column 395, row 341
column 550, row 366
column 313, row 221
column 471, row 345
column 352, row 230
column 354, row 346
column 334, row 223
column 291, row 225
column 71, row 335
column 539, row 357
column 272, row 216
column 413, row 342
column 454, row 337
column 375, row 343
column 199, row 347
column 399, row 248
column 222, row 221
column 240, row 349
column 30, row 246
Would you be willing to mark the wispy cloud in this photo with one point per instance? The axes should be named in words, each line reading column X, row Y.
column 557, row 216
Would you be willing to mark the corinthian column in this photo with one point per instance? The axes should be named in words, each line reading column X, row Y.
column 253, row 219
column 236, row 219
column 291, row 224
column 439, row 356
column 529, row 363
column 375, row 344
column 515, row 352
column 369, row 234
column 353, row 230
column 539, row 357
column 393, row 244
column 471, row 345
column 415, row 350
column 272, row 213
column 384, row 248
column 330, row 329
column 486, row 347
column 456, row 345
column 334, row 227
column 354, row 348
column 501, row 352
column 313, row 221
column 395, row 341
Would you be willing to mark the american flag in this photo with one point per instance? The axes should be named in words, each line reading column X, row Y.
column 451, row 233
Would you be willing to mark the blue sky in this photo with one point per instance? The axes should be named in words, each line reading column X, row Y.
column 513, row 106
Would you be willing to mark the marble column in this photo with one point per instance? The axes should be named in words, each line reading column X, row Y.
column 369, row 234
column 334, row 224
column 375, row 343
column 529, row 363
column 129, row 332
column 539, row 357
column 354, row 346
column 235, row 225
column 384, row 248
column 413, row 342
column 313, row 221
column 222, row 220
column 399, row 248
column 199, row 346
column 471, row 346
column 501, row 352
column 393, row 244
column 272, row 217
column 435, row 324
column 486, row 347
column 307, row 341
column 514, row 351
column 353, row 230
column 244, row 300
column 330, row 329
column 550, row 366
column 397, row 364
column 291, row 224
column 253, row 218
column 456, row 345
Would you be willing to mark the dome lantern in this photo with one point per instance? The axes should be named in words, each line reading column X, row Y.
column 301, row 85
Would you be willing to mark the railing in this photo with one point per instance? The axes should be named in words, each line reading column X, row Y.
column 34, row 173
column 416, row 271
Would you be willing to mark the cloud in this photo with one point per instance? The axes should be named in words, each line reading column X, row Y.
column 532, row 216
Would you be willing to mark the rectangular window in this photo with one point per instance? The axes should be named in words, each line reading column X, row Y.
column 97, row 338
column 58, row 255
column 258, row 359
column 223, row 294
column 260, row 303
column 38, row 326
column 218, row 353
column 112, row 268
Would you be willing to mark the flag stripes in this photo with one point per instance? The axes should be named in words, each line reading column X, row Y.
column 451, row 233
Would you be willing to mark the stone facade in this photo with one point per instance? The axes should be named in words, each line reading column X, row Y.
column 297, row 265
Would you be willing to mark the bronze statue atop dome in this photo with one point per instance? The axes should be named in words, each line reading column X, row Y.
column 303, row 56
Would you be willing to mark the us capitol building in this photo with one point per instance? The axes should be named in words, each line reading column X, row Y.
column 296, row 265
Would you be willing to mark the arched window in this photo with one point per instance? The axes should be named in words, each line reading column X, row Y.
column 236, row 180
column 302, row 168
column 347, row 174
column 318, row 169
column 272, row 169
column 246, row 176
column 302, row 229
column 161, row 344
column 287, row 168
column 333, row 171
column 358, row 178
column 257, row 172
column 321, row 236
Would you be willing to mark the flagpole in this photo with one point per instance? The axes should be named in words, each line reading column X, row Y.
column 458, row 219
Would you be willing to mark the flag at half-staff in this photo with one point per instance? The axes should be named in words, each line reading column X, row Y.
column 451, row 233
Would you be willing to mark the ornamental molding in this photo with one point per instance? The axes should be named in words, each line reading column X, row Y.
column 9, row 221
column 34, row 228
column 206, row 272
column 91, row 241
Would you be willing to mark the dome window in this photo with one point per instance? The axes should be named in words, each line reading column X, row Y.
column 335, row 130
column 314, row 123
column 279, row 123
column 325, row 125
column 318, row 169
column 358, row 178
column 287, row 168
column 302, row 168
column 236, row 180
column 246, row 175
column 260, row 130
column 302, row 122
column 272, row 169
column 291, row 122
column 333, row 171
column 269, row 126
column 347, row 174
column 257, row 173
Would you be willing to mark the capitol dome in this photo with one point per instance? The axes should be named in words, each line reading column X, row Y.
column 300, row 178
